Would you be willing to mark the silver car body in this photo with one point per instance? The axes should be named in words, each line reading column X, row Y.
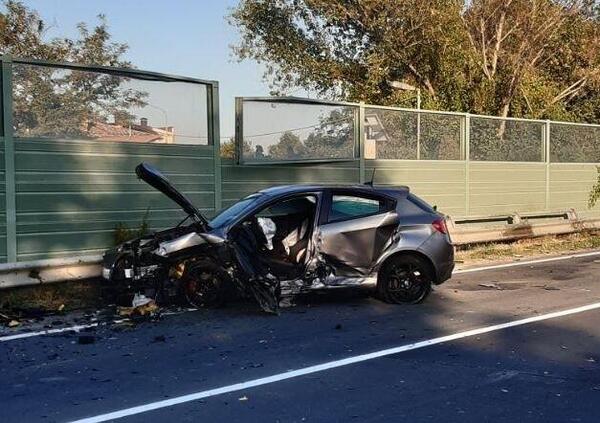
column 327, row 236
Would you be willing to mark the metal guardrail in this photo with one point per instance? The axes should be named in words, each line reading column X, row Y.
column 515, row 218
column 40, row 272
column 518, row 226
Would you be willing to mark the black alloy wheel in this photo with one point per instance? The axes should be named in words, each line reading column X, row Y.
column 405, row 279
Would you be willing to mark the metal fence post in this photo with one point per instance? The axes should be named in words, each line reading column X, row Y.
column 547, row 162
column 9, row 160
column 419, row 128
column 239, row 131
column 216, row 142
column 361, row 141
column 467, row 158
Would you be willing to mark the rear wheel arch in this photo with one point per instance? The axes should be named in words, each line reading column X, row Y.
column 409, row 253
column 399, row 282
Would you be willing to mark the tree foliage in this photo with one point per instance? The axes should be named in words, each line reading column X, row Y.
column 50, row 101
column 526, row 58
column 595, row 192
column 332, row 136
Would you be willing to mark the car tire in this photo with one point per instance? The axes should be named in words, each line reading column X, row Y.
column 204, row 285
column 405, row 279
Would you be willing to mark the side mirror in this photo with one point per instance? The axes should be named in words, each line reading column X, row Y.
column 435, row 208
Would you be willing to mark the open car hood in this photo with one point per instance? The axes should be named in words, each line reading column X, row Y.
column 155, row 179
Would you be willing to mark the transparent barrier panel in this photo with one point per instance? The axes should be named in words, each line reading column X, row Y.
column 66, row 104
column 278, row 131
column 574, row 143
column 390, row 134
column 440, row 136
column 506, row 140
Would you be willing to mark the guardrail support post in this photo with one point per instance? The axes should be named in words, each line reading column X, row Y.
column 9, row 160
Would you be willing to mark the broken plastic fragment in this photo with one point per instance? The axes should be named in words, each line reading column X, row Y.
column 140, row 300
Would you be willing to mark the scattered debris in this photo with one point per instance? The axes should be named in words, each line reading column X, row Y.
column 140, row 300
column 244, row 398
column 547, row 287
column 140, row 306
column 13, row 323
column 491, row 285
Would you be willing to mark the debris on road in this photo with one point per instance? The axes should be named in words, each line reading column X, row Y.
column 547, row 287
column 140, row 306
column 491, row 285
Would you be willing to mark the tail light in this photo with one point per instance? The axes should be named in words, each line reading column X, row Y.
column 440, row 226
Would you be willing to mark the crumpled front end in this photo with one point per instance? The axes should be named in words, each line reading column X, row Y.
column 155, row 261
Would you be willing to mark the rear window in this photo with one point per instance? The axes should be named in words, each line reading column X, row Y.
column 344, row 207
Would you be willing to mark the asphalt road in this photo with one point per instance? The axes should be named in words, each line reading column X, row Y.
column 547, row 370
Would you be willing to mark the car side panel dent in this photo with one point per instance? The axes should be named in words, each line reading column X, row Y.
column 405, row 239
column 356, row 243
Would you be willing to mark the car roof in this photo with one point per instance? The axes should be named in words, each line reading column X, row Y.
column 278, row 190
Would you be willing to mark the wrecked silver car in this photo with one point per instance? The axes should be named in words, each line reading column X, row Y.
column 288, row 240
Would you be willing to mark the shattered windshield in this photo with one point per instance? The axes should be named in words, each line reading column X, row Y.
column 233, row 211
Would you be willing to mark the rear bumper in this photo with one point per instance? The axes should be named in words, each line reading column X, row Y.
column 445, row 272
column 441, row 252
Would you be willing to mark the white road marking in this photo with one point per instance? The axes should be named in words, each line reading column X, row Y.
column 524, row 263
column 456, row 272
column 78, row 328
column 326, row 366
column 47, row 332
column 75, row 328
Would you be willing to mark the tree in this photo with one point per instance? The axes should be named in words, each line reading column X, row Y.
column 57, row 102
column 595, row 192
column 531, row 58
column 228, row 149
column 289, row 147
column 334, row 135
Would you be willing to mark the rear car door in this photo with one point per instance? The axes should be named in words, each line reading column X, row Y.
column 355, row 227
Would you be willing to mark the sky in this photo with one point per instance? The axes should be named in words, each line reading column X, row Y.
column 185, row 37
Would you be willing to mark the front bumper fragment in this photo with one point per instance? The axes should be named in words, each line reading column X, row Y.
column 106, row 273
